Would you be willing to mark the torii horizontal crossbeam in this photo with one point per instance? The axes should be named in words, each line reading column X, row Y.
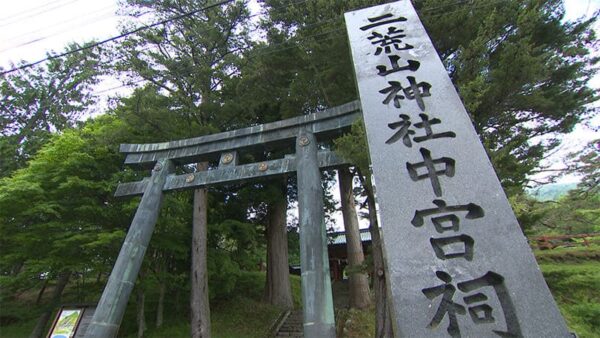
column 196, row 149
column 221, row 175
column 302, row 132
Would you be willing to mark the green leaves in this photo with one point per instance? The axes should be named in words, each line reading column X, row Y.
column 189, row 58
column 43, row 99
column 522, row 73
column 56, row 212
column 353, row 147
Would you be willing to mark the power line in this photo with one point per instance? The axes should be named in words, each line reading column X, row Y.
column 103, row 11
column 40, row 11
column 102, row 91
column 25, row 11
column 87, row 22
column 470, row 8
column 257, row 52
column 290, row 44
column 120, row 36
column 93, row 20
column 28, row 65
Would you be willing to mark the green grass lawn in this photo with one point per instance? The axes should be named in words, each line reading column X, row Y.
column 241, row 316
column 17, row 330
column 235, row 318
column 573, row 275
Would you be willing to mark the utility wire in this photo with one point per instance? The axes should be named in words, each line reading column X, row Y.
column 85, row 23
column 39, row 12
column 120, row 36
column 28, row 65
column 29, row 9
column 298, row 40
column 102, row 11
column 256, row 52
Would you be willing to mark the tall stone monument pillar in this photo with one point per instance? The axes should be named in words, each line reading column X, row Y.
column 457, row 261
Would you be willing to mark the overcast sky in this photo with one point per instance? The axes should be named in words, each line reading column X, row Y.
column 31, row 28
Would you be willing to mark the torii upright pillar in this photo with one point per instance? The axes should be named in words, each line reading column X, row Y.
column 107, row 318
column 316, row 284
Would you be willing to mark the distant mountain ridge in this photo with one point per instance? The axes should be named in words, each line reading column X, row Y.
column 551, row 192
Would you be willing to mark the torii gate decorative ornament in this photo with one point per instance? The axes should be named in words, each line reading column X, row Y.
column 163, row 157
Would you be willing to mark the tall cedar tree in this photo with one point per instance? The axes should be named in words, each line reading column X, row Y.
column 520, row 69
column 189, row 59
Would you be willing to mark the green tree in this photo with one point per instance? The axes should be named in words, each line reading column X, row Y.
column 578, row 211
column 520, row 69
column 189, row 58
column 40, row 100
column 587, row 164
column 351, row 146
column 58, row 215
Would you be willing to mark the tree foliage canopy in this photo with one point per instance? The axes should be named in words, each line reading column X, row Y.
column 43, row 99
column 521, row 70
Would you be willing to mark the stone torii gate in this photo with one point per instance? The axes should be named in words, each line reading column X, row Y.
column 304, row 132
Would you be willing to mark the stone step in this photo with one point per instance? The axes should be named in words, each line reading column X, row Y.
column 290, row 334
column 292, row 327
column 293, row 323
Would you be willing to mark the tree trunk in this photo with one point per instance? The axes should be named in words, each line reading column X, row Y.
column 160, row 308
column 383, row 320
column 176, row 297
column 359, row 282
column 40, row 326
column 83, row 288
column 200, row 310
column 278, row 289
column 16, row 268
column 141, row 317
column 41, row 293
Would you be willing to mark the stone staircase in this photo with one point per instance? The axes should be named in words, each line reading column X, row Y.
column 292, row 326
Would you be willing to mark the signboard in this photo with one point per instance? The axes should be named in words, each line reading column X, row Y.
column 457, row 261
column 71, row 321
column 66, row 322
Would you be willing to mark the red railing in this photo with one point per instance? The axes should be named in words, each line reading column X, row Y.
column 550, row 242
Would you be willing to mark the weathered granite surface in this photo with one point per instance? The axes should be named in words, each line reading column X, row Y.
column 458, row 263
